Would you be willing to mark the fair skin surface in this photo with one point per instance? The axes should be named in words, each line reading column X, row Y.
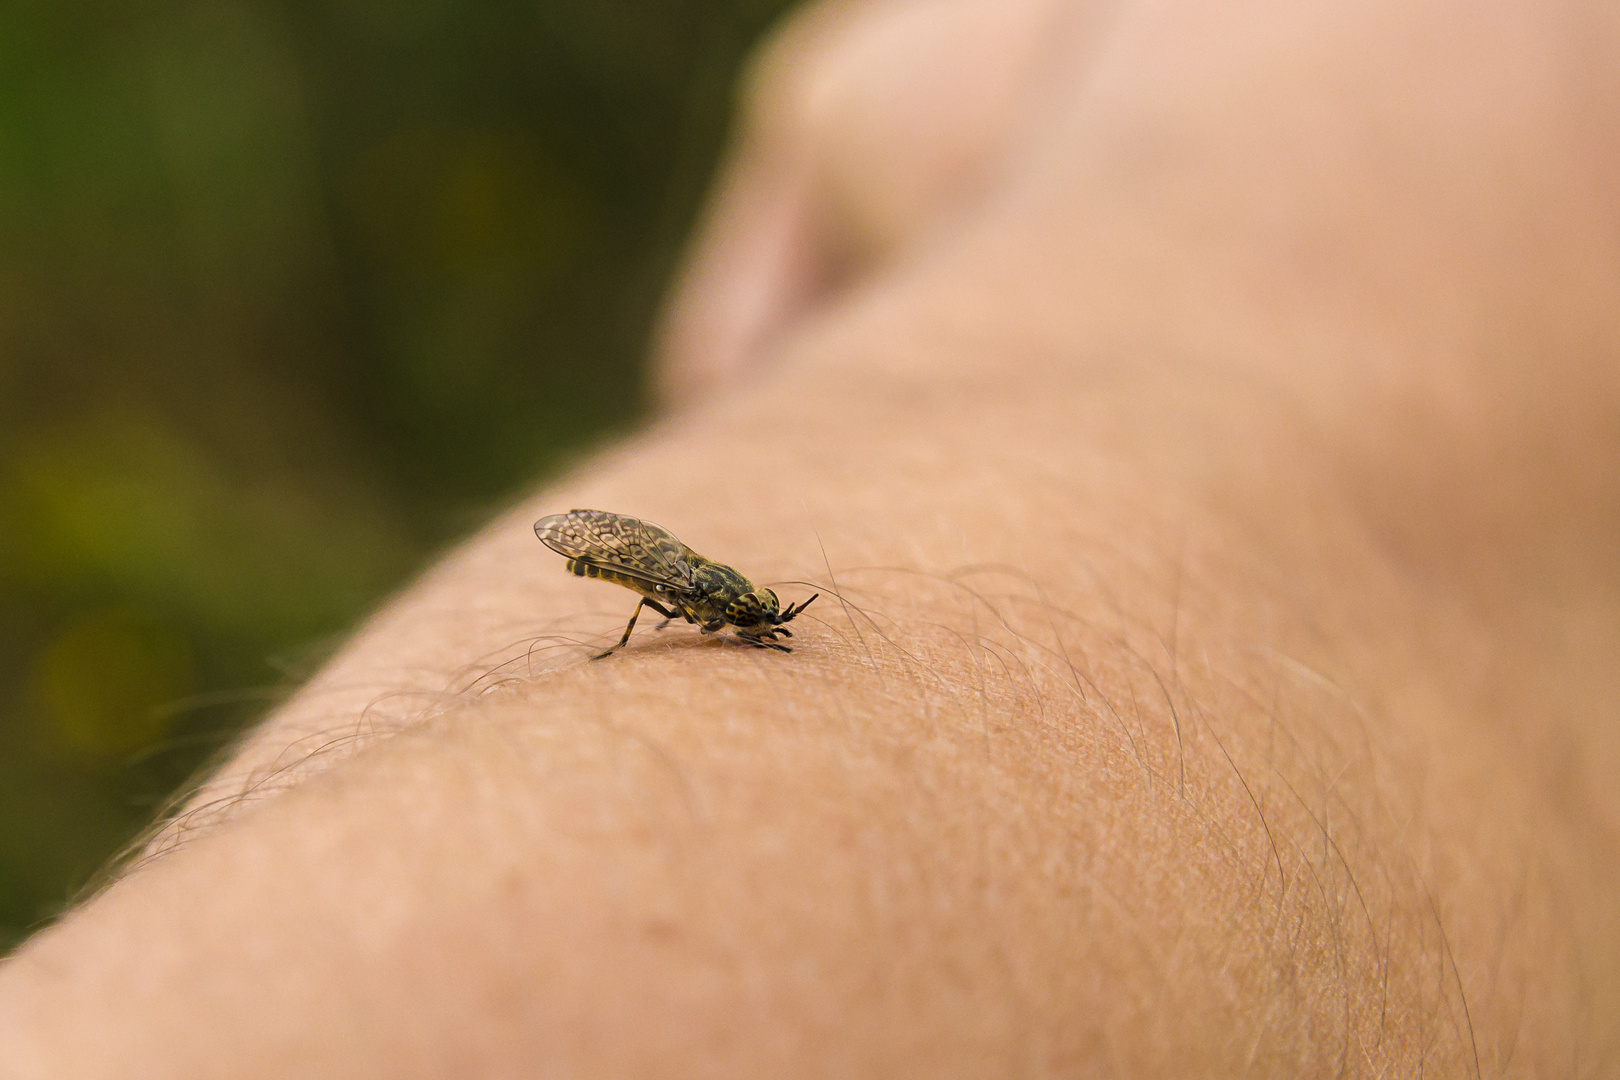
column 1203, row 431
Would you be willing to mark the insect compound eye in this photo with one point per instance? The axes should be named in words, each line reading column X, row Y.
column 744, row 611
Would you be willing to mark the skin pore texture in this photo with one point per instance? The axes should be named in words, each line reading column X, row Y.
column 1202, row 424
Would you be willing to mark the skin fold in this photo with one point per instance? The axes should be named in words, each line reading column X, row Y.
column 1201, row 423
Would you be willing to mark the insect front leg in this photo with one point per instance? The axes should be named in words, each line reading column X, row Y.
column 634, row 615
column 762, row 643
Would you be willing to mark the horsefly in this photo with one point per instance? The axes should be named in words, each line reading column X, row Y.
column 673, row 580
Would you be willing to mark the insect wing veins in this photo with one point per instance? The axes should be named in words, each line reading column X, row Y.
column 637, row 549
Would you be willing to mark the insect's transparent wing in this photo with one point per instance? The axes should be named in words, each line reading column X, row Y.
column 626, row 545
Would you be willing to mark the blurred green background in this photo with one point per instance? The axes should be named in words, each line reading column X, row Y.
column 292, row 295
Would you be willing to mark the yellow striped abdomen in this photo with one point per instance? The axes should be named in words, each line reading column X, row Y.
column 582, row 568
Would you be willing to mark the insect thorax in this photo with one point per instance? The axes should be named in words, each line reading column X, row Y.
column 715, row 586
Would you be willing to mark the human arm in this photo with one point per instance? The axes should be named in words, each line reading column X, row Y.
column 1182, row 714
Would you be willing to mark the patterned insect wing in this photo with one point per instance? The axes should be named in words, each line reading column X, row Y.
column 626, row 545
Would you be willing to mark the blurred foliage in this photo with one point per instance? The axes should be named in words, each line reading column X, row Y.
column 292, row 294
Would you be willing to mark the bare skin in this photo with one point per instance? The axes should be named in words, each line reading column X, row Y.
column 1203, row 430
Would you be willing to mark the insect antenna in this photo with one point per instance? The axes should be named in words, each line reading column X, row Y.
column 793, row 611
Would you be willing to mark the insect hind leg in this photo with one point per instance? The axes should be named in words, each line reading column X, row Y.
column 669, row 616
column 634, row 615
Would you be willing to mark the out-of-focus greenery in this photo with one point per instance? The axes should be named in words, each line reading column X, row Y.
column 291, row 294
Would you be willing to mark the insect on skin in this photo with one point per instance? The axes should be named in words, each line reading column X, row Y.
column 673, row 580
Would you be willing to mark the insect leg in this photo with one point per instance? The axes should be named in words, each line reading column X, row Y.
column 634, row 615
column 669, row 616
